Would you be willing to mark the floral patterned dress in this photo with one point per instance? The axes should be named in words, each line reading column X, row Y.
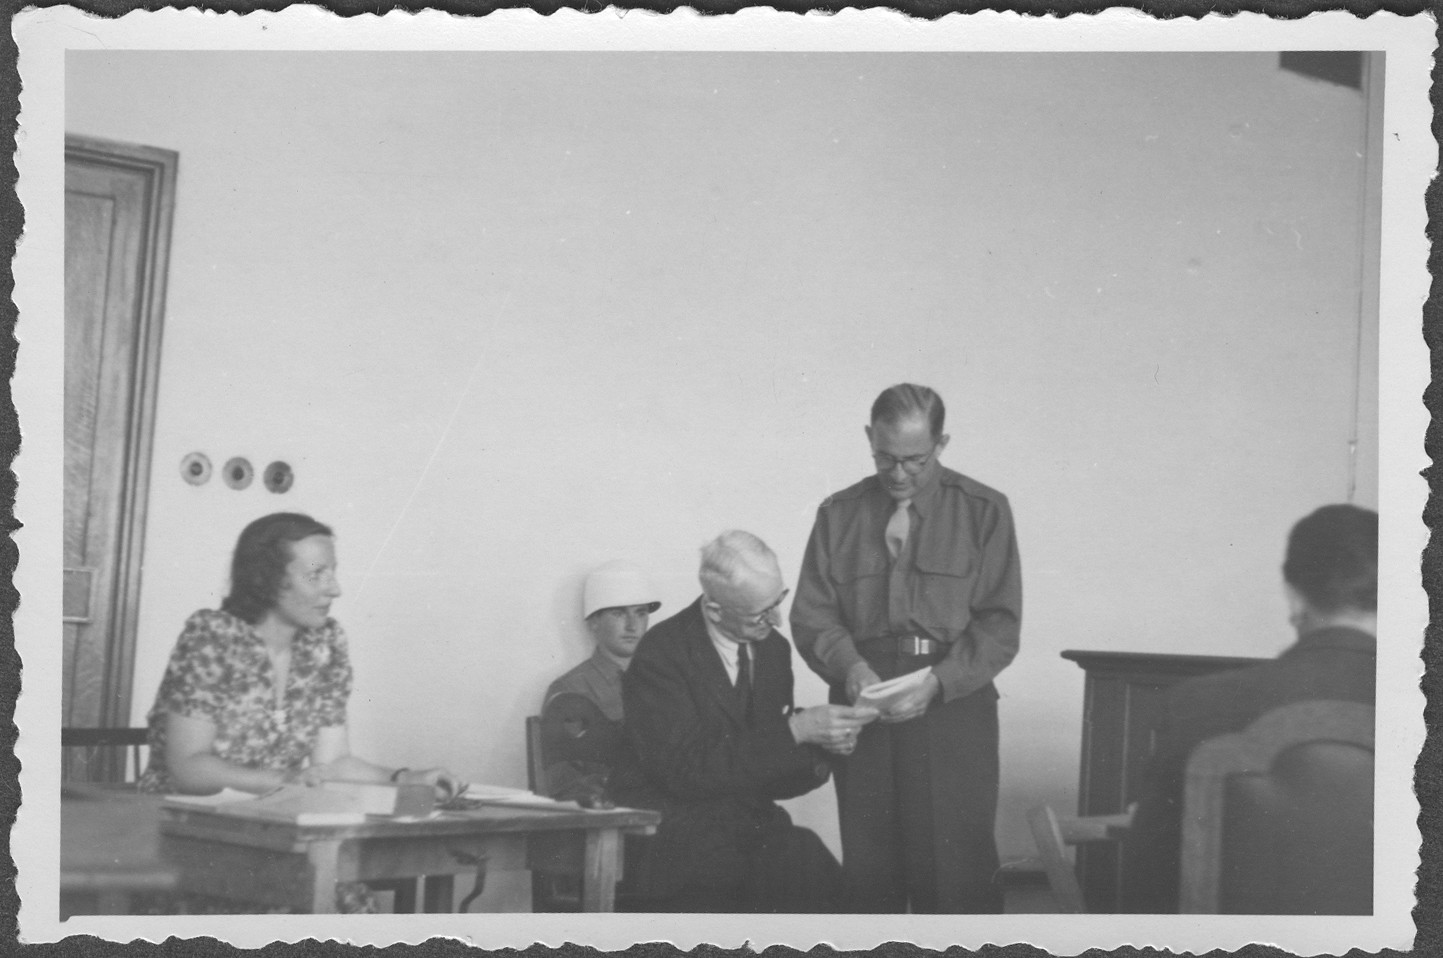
column 219, row 671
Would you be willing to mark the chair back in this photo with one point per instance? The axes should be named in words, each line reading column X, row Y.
column 573, row 734
column 573, row 738
column 103, row 754
column 535, row 756
column 1278, row 819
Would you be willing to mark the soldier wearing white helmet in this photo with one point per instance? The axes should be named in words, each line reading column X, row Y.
column 581, row 714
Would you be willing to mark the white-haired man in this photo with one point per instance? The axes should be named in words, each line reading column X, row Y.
column 581, row 713
column 715, row 742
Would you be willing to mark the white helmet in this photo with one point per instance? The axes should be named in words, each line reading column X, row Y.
column 615, row 584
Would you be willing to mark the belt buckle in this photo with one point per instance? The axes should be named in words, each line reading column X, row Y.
column 914, row 645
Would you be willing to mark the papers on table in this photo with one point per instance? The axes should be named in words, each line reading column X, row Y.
column 500, row 793
column 219, row 798
column 883, row 695
column 348, row 804
column 289, row 803
column 499, row 796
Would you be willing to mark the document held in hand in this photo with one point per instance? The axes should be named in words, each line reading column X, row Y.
column 883, row 695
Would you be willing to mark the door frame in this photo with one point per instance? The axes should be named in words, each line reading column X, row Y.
column 157, row 169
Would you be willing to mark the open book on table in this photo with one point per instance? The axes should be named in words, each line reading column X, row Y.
column 330, row 803
column 290, row 803
column 883, row 695
column 347, row 803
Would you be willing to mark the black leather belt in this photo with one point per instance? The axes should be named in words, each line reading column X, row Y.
column 910, row 644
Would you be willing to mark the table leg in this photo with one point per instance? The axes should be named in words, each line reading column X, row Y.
column 599, row 870
column 325, row 859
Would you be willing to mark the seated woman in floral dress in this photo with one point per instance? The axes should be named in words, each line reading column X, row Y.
column 255, row 694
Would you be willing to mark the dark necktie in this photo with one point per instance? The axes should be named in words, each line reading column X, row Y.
column 744, row 679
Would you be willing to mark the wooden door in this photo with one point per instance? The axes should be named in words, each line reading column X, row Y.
column 118, row 204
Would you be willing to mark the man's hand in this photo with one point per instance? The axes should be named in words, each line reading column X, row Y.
column 833, row 727
column 914, row 703
column 859, row 677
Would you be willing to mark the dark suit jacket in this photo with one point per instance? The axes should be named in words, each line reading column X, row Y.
column 691, row 755
column 1329, row 664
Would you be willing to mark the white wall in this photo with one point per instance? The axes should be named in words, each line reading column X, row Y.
column 510, row 315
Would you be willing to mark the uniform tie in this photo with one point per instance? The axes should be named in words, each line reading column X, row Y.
column 898, row 527
column 744, row 679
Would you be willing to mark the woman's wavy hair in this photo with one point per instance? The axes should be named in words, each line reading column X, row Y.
column 1332, row 559
column 258, row 567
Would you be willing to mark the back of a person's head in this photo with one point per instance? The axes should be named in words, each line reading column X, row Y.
column 1332, row 559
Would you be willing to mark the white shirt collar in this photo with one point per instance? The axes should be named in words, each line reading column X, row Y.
column 725, row 647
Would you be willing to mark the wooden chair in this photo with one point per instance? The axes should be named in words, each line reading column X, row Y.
column 555, row 861
column 110, row 851
column 1278, row 819
column 110, row 755
column 1053, row 833
column 535, row 765
column 574, row 734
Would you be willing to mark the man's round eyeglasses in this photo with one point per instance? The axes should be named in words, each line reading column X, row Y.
column 911, row 465
column 763, row 617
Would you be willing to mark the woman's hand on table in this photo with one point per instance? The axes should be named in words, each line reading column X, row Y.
column 309, row 776
column 349, row 768
column 446, row 784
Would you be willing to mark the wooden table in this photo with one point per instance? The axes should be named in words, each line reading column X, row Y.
column 1123, row 699
column 115, row 844
column 109, row 850
column 284, row 864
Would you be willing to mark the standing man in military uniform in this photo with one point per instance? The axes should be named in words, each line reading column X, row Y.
column 915, row 568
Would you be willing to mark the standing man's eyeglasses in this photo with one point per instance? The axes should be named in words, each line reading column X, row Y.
column 911, row 465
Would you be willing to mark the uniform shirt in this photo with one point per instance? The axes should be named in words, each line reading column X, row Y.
column 598, row 679
column 957, row 580
column 220, row 671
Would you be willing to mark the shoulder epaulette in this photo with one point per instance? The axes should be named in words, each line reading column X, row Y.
column 854, row 491
column 968, row 485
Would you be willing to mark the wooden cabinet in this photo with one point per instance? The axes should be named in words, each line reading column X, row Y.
column 1122, row 706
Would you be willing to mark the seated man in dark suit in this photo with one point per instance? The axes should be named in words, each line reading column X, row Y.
column 581, row 713
column 1331, row 580
column 714, row 743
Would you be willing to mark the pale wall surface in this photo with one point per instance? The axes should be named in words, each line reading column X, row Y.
column 511, row 315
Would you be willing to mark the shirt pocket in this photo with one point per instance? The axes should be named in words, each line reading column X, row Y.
column 861, row 587
column 944, row 587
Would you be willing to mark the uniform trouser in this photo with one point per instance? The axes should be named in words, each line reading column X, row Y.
column 918, row 809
